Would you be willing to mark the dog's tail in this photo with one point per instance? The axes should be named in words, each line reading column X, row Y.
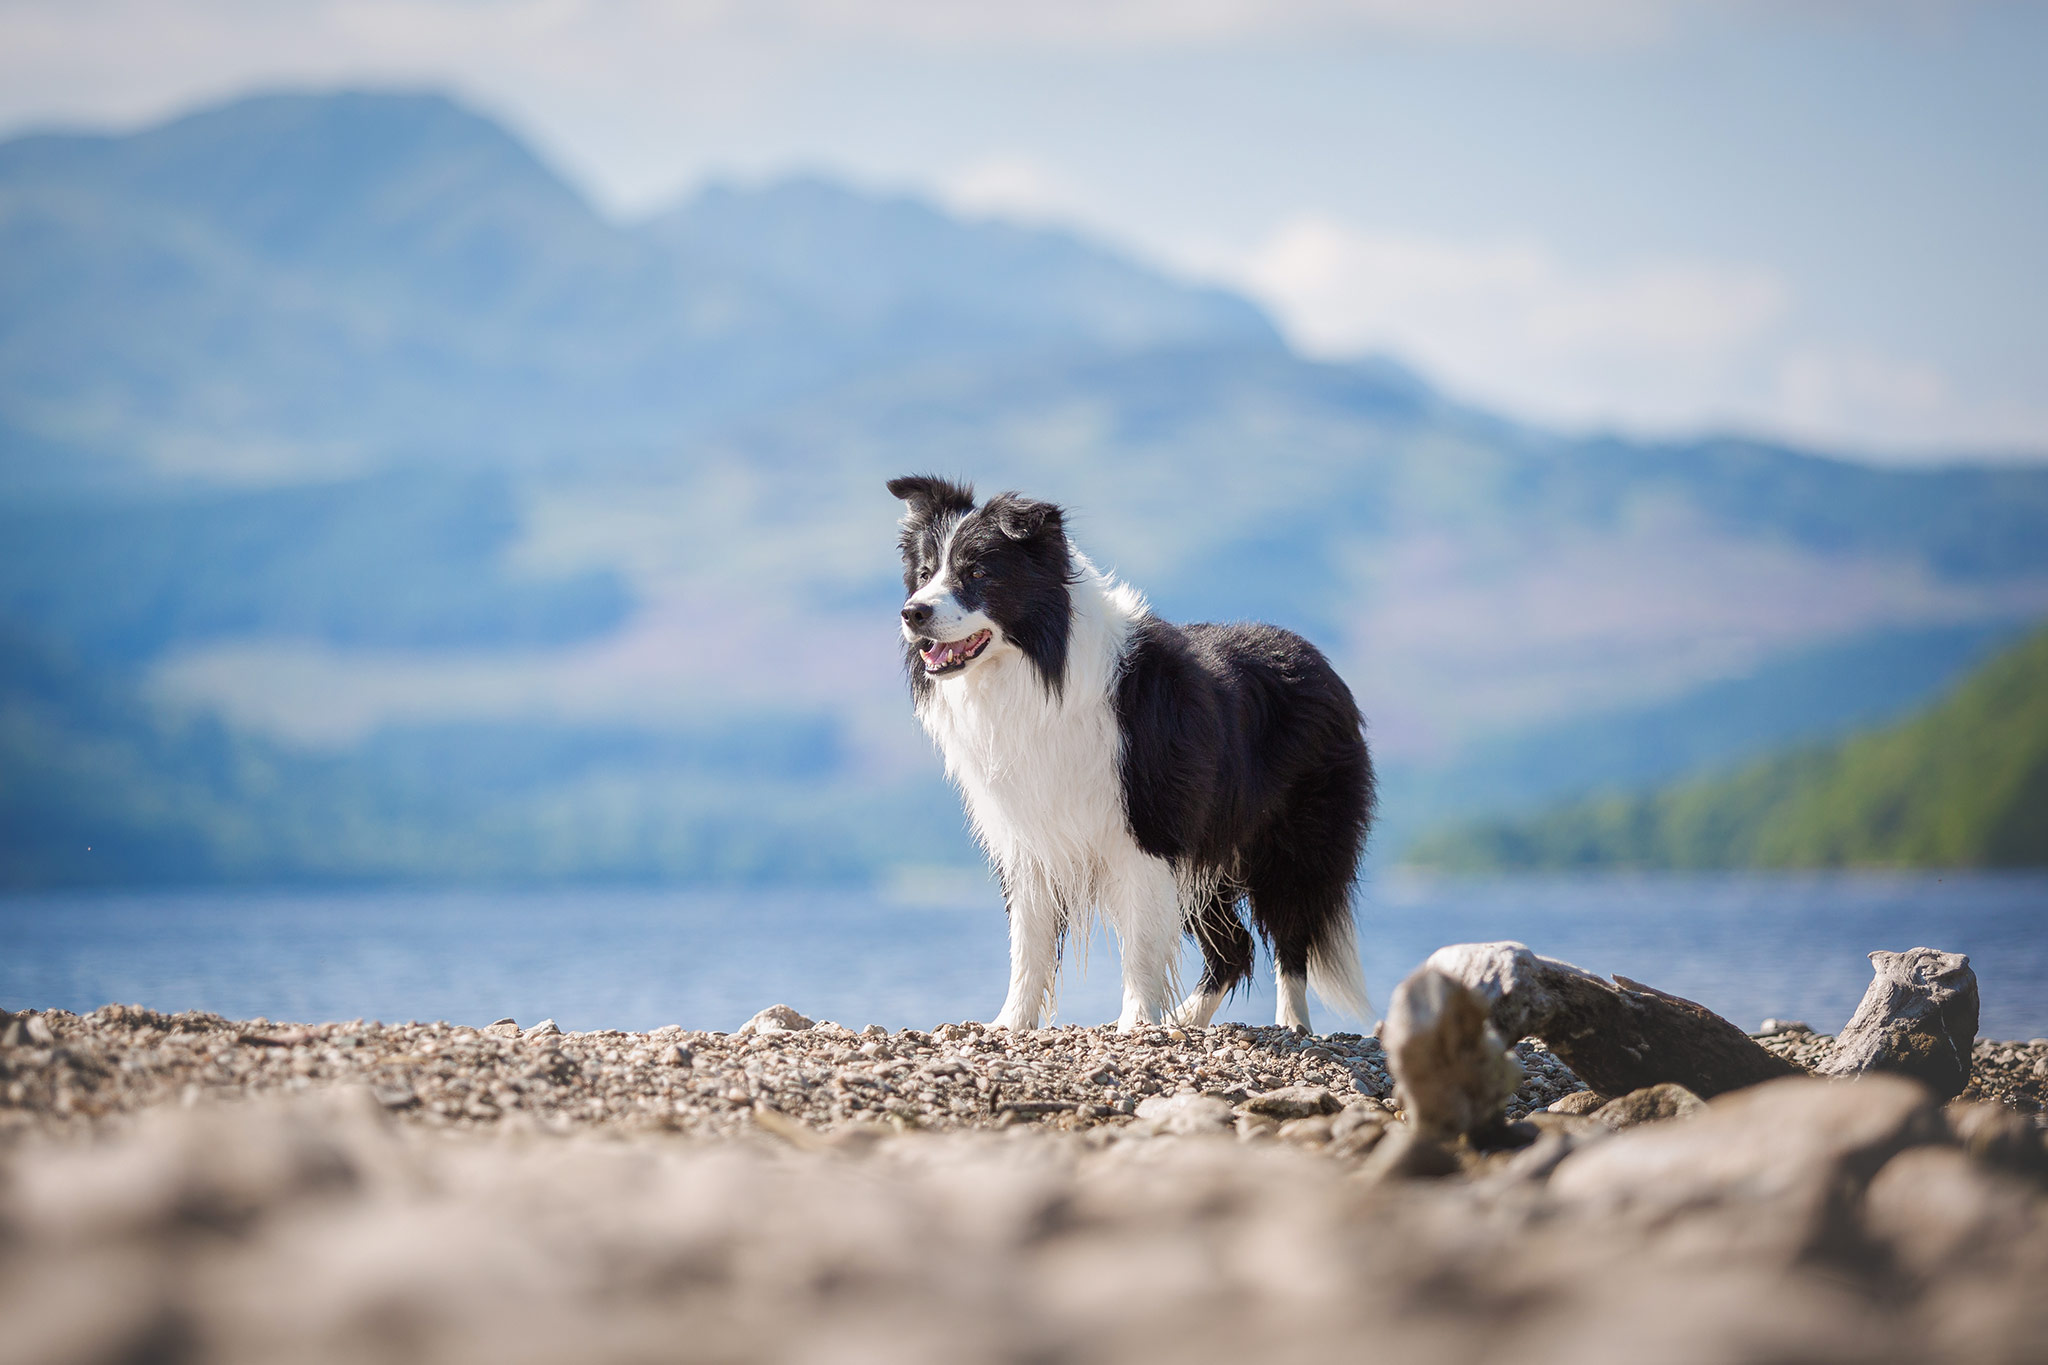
column 1334, row 972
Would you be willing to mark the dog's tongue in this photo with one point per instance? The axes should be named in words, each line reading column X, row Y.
column 938, row 656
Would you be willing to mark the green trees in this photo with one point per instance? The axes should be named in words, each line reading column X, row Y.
column 1962, row 784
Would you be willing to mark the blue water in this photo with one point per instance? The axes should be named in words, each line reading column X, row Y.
column 1747, row 946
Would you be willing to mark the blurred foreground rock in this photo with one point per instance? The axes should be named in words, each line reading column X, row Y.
column 1800, row 1220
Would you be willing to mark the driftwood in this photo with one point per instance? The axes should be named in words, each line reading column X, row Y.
column 1449, row 1024
column 1918, row 1018
column 1618, row 1036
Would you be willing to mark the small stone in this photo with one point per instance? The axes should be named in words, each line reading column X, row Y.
column 1406, row 1154
column 1355, row 1118
column 1184, row 1115
column 1293, row 1102
column 546, row 1028
column 34, row 1031
column 394, row 1095
column 678, row 1055
column 1256, row 1127
column 508, row 1019
column 776, row 1019
column 1578, row 1102
column 1651, row 1104
column 1771, row 1028
column 1309, row 1132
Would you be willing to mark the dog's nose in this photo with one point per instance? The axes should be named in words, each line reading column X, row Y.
column 917, row 616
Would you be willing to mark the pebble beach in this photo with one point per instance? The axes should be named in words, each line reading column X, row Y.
column 183, row 1186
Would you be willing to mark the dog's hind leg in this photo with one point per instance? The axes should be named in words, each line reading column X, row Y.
column 1226, row 958
column 1141, row 901
column 1038, row 923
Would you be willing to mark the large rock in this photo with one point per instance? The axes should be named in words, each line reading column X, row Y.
column 1996, row 1136
column 1959, row 1239
column 1938, row 1211
column 1918, row 1019
column 1772, row 1172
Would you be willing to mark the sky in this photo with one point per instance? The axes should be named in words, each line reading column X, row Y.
column 1818, row 220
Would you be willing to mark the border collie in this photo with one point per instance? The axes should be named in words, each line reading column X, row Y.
column 1160, row 775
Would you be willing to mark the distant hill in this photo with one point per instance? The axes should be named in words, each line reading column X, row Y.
column 99, row 785
column 1790, row 701
column 1962, row 784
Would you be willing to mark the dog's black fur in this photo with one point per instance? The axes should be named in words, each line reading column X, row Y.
column 1245, row 755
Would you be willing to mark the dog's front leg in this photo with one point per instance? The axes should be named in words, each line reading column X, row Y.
column 1141, row 901
column 1037, row 920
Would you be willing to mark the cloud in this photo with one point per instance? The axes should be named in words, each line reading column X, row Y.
column 1128, row 23
column 1660, row 346
column 1020, row 188
column 1513, row 323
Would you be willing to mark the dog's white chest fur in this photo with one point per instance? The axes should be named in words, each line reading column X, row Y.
column 1040, row 772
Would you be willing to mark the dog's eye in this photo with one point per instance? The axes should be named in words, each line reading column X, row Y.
column 979, row 572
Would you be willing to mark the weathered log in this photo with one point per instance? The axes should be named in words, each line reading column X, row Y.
column 1618, row 1036
column 1918, row 1018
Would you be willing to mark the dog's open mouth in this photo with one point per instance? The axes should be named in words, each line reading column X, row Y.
column 952, row 655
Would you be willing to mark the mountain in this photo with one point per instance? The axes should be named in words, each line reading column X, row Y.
column 905, row 278
column 504, row 539
column 387, row 560
column 296, row 284
column 1962, row 784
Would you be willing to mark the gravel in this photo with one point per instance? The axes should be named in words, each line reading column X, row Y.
column 120, row 1059
column 2012, row 1074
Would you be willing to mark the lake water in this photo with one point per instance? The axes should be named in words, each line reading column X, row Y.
column 1747, row 946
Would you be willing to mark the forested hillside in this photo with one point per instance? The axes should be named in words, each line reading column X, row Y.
column 1962, row 784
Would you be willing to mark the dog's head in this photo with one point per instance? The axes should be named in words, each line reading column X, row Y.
column 982, row 582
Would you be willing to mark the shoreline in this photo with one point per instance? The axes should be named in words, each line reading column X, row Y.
column 122, row 1059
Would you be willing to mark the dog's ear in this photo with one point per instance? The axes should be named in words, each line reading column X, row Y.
column 1022, row 518
column 929, row 495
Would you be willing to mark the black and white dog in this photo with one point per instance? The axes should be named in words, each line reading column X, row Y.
column 1158, row 774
